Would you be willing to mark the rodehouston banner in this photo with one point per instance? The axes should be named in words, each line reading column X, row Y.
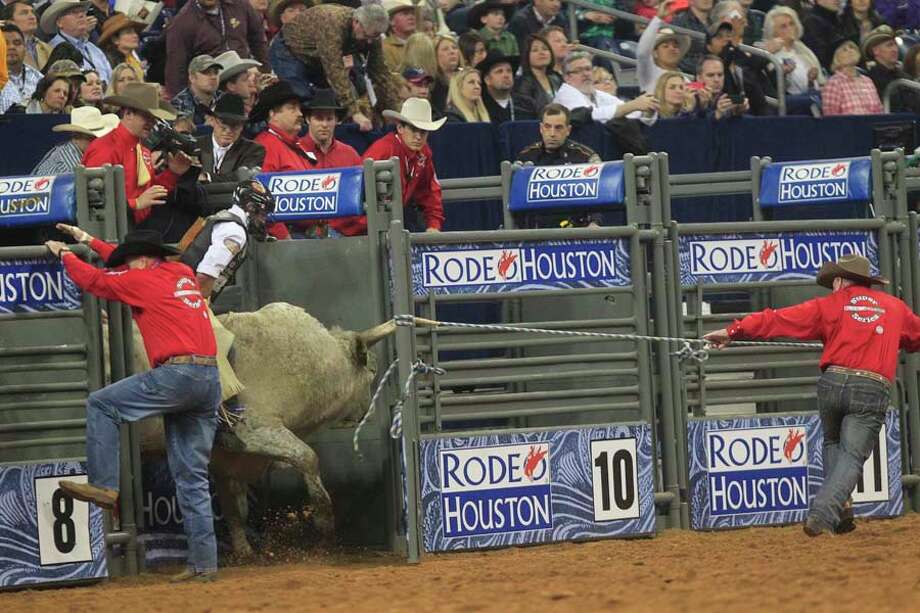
column 45, row 536
column 536, row 486
column 761, row 471
column 536, row 188
column 36, row 201
column 469, row 268
column 819, row 182
column 31, row 285
column 316, row 194
column 768, row 256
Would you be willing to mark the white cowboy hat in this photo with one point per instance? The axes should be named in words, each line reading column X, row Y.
column 233, row 64
column 58, row 8
column 88, row 121
column 394, row 6
column 416, row 112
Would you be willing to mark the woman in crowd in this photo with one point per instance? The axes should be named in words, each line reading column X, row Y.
column 674, row 98
column 120, row 39
column 603, row 80
column 472, row 48
column 90, row 91
column 50, row 97
column 538, row 80
column 465, row 98
column 448, row 56
column 848, row 92
column 783, row 38
column 859, row 18
column 122, row 74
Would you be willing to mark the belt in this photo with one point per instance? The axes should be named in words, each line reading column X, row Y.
column 199, row 360
column 859, row 373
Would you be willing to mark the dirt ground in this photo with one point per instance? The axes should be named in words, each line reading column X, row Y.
column 876, row 568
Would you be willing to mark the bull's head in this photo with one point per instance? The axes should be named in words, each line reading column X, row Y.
column 367, row 339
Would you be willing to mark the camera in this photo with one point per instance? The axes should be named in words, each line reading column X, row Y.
column 736, row 98
column 164, row 138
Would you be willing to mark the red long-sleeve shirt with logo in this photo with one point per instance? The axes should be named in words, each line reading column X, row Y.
column 861, row 327
column 165, row 302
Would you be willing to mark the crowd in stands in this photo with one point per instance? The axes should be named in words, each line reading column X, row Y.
column 272, row 79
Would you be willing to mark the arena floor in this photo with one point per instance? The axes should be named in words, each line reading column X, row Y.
column 876, row 568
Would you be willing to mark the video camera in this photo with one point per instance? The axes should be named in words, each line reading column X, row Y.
column 163, row 137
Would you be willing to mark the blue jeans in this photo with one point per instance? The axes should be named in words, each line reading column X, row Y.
column 852, row 409
column 187, row 396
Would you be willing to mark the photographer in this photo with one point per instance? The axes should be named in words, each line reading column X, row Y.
column 745, row 75
column 709, row 90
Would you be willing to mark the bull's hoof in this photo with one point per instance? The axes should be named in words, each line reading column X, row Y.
column 324, row 522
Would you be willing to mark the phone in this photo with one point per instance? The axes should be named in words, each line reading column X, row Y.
column 789, row 62
column 736, row 98
column 695, row 86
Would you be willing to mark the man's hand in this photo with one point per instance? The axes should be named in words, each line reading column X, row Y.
column 598, row 17
column 57, row 248
column 364, row 124
column 718, row 338
column 266, row 79
column 664, row 7
column 431, row 230
column 647, row 103
column 153, row 196
column 91, row 23
column 723, row 106
column 812, row 74
column 81, row 236
column 179, row 162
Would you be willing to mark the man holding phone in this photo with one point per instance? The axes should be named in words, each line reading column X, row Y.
column 709, row 89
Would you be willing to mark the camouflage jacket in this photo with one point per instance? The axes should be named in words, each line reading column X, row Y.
column 321, row 36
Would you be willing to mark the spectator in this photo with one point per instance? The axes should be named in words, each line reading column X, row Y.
column 448, row 58
column 712, row 97
column 901, row 14
column 70, row 71
column 97, row 14
column 782, row 38
column 535, row 16
column 659, row 49
column 121, row 76
column 538, row 80
column 859, row 18
column 324, row 35
column 749, row 25
column 911, row 63
column 558, row 43
column 881, row 52
column 418, row 82
column 67, row 20
column 489, row 18
column 402, row 25
column 261, row 9
column 502, row 103
column 21, row 13
column 578, row 92
column 90, row 90
column 120, row 38
column 472, row 48
column 140, row 106
column 210, row 27
column 86, row 124
column 746, row 75
column 603, row 80
column 184, row 125
column 22, row 78
column 465, row 97
column 235, row 77
column 51, row 96
column 420, row 187
column 695, row 17
column 225, row 151
column 674, row 99
column 824, row 31
column 455, row 12
column 419, row 53
column 847, row 92
column 283, row 63
column 602, row 30
column 201, row 94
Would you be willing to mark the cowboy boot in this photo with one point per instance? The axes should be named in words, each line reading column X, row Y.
column 846, row 523
column 100, row 496
column 190, row 576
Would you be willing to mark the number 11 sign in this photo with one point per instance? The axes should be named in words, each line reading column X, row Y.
column 63, row 523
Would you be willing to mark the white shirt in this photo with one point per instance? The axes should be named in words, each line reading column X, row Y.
column 603, row 106
column 797, row 80
column 224, row 236
column 647, row 71
column 219, row 153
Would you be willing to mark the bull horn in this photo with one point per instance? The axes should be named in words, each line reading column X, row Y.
column 372, row 336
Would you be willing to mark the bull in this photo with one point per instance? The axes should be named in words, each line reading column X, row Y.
column 299, row 376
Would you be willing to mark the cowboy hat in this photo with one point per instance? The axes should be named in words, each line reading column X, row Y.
column 416, row 112
column 49, row 19
column 229, row 108
column 324, row 100
column 493, row 58
column 88, row 121
column 875, row 37
column 272, row 97
column 481, row 9
column 853, row 267
column 277, row 7
column 115, row 24
column 142, row 97
column 65, row 68
column 233, row 65
column 394, row 6
column 137, row 243
column 666, row 34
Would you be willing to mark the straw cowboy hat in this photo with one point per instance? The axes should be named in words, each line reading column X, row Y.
column 853, row 267
column 277, row 7
column 394, row 6
column 89, row 121
column 142, row 97
column 875, row 37
column 115, row 24
column 416, row 112
column 233, row 65
column 49, row 19
column 666, row 34
column 140, row 242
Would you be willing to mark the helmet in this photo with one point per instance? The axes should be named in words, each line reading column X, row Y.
column 254, row 198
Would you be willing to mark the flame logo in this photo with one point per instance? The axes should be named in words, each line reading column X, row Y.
column 533, row 459
column 766, row 252
column 42, row 183
column 505, row 263
column 590, row 171
column 328, row 182
column 838, row 170
column 792, row 441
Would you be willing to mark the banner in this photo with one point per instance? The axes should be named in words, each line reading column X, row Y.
column 316, row 194
column 471, row 268
column 45, row 536
column 824, row 182
column 536, row 486
column 760, row 471
column 27, row 286
column 573, row 186
column 768, row 256
column 37, row 201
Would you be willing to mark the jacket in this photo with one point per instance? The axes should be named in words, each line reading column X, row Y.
column 339, row 155
column 823, row 33
column 521, row 108
column 528, row 86
column 394, row 50
column 525, row 22
column 901, row 100
column 244, row 153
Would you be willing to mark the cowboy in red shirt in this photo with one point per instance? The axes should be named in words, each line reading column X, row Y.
column 409, row 143
column 862, row 330
column 183, row 385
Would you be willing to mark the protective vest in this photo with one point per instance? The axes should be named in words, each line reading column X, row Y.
column 195, row 252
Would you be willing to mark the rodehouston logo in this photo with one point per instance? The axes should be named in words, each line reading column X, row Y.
column 814, row 182
column 793, row 254
column 757, row 470
column 488, row 490
column 306, row 193
column 25, row 196
column 577, row 181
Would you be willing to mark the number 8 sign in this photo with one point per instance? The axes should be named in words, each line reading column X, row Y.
column 63, row 523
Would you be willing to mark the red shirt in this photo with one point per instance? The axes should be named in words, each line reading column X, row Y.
column 861, row 327
column 165, row 301
column 339, row 155
column 119, row 148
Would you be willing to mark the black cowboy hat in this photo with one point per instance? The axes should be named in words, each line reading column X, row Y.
column 853, row 267
column 493, row 58
column 272, row 96
column 229, row 108
column 324, row 100
column 140, row 242
column 480, row 9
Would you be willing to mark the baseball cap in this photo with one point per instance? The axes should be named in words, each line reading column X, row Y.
column 416, row 74
column 202, row 62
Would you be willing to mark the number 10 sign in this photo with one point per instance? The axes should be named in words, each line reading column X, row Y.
column 63, row 523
